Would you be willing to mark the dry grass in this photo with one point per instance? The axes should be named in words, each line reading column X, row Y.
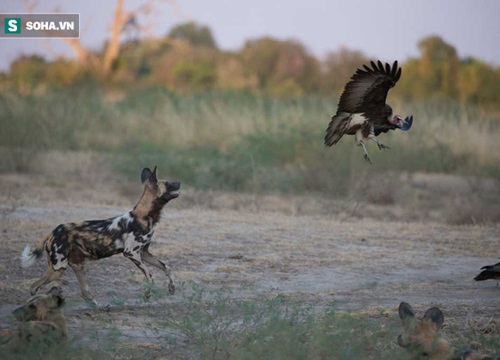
column 243, row 142
column 314, row 255
column 266, row 205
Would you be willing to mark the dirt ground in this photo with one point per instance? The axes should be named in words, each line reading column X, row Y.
column 358, row 256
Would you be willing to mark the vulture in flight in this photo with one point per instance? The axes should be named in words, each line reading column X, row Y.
column 489, row 272
column 362, row 110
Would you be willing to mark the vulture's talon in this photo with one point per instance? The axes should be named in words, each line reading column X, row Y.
column 368, row 159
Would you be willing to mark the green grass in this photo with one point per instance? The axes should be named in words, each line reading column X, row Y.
column 239, row 141
column 217, row 324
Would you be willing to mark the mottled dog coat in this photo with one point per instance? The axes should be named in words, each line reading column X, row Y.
column 74, row 243
column 43, row 325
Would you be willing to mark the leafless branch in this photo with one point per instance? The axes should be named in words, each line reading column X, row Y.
column 122, row 22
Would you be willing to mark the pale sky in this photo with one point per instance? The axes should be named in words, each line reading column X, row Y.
column 383, row 29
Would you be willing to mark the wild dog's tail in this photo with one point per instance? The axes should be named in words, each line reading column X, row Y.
column 29, row 257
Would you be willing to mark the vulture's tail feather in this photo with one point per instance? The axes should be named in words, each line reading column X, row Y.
column 336, row 128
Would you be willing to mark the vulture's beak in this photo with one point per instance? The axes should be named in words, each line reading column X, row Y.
column 405, row 124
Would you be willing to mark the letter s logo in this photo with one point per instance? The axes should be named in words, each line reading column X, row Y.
column 12, row 25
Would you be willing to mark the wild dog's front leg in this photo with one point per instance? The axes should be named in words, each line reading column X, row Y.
column 136, row 258
column 151, row 260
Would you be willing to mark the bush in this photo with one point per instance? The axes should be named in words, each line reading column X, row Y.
column 243, row 142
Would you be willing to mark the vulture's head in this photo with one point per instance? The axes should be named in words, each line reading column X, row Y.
column 397, row 120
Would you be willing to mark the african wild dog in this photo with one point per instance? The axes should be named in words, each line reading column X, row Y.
column 74, row 243
column 43, row 325
column 489, row 272
column 422, row 338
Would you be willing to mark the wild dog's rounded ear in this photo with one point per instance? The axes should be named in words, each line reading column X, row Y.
column 57, row 295
column 435, row 316
column 153, row 177
column 405, row 310
column 59, row 300
column 145, row 174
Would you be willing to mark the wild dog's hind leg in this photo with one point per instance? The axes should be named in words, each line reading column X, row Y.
column 136, row 258
column 79, row 270
column 50, row 275
column 151, row 260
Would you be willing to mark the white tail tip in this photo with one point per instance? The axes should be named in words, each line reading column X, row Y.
column 27, row 259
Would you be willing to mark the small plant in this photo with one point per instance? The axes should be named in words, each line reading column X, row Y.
column 221, row 326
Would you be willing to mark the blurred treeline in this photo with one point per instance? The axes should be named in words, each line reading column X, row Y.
column 188, row 60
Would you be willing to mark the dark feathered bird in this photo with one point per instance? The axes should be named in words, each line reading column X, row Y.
column 362, row 110
column 489, row 272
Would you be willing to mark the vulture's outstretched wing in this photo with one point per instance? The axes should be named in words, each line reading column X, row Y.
column 367, row 90
column 365, row 95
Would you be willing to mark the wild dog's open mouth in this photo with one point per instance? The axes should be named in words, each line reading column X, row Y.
column 174, row 193
column 173, row 189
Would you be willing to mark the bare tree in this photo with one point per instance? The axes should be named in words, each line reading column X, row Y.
column 120, row 20
column 123, row 20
